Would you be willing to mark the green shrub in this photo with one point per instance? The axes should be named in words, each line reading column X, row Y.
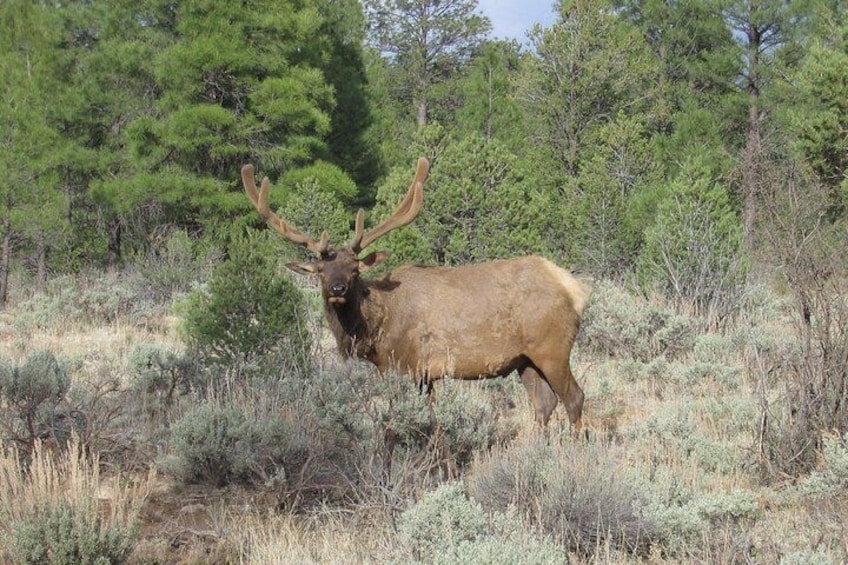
column 171, row 268
column 414, row 418
column 478, row 207
column 715, row 457
column 671, row 424
column 511, row 548
column 357, row 408
column 730, row 416
column 675, row 335
column 680, row 526
column 735, row 506
column 573, row 492
column 29, row 394
column 623, row 326
column 807, row 557
column 248, row 311
column 681, row 375
column 673, row 428
column 443, row 516
column 456, row 422
column 219, row 445
column 762, row 304
column 339, row 399
column 314, row 199
column 699, row 372
column 688, row 521
column 306, row 435
column 446, row 527
column 715, row 348
column 468, row 421
column 160, row 376
column 88, row 298
column 39, row 379
column 694, row 252
column 833, row 477
column 60, row 537
column 403, row 412
column 381, row 428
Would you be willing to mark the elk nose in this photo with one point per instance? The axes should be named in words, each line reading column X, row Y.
column 338, row 288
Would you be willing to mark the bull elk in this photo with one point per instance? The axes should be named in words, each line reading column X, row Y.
column 468, row 322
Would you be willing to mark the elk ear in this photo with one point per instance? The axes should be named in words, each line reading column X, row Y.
column 372, row 260
column 303, row 268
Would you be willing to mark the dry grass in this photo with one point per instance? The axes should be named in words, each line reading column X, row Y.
column 91, row 350
column 327, row 538
column 684, row 440
column 33, row 491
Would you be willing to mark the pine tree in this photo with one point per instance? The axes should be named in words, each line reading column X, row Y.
column 694, row 250
column 762, row 28
column 589, row 66
column 813, row 105
column 191, row 92
column 31, row 202
column 428, row 41
column 488, row 106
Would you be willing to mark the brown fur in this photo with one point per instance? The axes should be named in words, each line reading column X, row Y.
column 469, row 322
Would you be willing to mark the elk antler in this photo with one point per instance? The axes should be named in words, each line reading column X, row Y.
column 403, row 215
column 260, row 201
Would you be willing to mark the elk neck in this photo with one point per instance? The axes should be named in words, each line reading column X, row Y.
column 355, row 323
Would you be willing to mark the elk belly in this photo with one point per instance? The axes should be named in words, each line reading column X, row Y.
column 432, row 355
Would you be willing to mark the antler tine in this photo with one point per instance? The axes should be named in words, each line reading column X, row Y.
column 406, row 211
column 359, row 231
column 260, row 202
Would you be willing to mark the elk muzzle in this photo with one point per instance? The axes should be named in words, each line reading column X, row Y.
column 336, row 292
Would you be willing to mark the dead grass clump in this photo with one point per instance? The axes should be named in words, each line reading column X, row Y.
column 574, row 492
column 58, row 509
column 802, row 531
column 806, row 238
column 325, row 538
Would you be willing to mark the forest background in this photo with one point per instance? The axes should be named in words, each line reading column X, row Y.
column 626, row 140
column 680, row 154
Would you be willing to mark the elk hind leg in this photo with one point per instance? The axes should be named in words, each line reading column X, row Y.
column 557, row 372
column 541, row 394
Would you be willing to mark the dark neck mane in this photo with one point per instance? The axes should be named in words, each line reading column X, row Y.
column 353, row 323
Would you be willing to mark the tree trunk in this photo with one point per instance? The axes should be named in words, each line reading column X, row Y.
column 41, row 265
column 751, row 173
column 422, row 113
column 5, row 259
column 113, row 250
column 751, row 187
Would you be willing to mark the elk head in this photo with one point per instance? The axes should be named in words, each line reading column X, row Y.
column 339, row 268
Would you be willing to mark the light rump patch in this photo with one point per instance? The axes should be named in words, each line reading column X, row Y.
column 576, row 289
